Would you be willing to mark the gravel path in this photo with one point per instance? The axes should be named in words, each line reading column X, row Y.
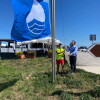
column 85, row 59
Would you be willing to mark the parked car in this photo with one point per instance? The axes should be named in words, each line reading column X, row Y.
column 82, row 49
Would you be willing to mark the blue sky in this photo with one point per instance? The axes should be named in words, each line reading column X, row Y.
column 75, row 20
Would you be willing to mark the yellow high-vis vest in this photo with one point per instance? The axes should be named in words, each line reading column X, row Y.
column 61, row 55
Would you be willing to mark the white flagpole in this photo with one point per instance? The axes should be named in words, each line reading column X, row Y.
column 53, row 40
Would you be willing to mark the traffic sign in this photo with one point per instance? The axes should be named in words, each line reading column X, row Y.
column 93, row 37
column 94, row 50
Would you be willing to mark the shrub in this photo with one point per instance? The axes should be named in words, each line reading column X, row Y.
column 66, row 96
column 30, row 54
column 95, row 92
column 19, row 52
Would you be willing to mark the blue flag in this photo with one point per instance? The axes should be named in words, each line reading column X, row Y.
column 31, row 20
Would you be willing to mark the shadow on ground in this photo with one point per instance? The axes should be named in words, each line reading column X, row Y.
column 8, row 84
column 94, row 93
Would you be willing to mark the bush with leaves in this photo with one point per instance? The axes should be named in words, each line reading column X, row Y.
column 66, row 96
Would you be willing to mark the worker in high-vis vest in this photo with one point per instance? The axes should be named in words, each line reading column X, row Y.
column 60, row 57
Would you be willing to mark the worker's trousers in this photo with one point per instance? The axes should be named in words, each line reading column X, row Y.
column 73, row 63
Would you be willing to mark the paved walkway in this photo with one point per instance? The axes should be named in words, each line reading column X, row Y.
column 87, row 62
column 85, row 59
column 93, row 69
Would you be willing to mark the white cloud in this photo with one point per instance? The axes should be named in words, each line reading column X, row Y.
column 46, row 1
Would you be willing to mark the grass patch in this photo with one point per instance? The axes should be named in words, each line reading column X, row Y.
column 85, row 96
column 82, row 80
column 43, row 82
column 31, row 79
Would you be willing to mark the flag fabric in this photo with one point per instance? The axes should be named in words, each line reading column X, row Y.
column 31, row 20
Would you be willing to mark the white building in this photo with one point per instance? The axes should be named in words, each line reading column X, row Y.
column 38, row 44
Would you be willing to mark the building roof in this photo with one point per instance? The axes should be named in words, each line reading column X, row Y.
column 6, row 40
column 47, row 40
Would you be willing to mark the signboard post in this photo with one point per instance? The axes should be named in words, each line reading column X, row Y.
column 94, row 50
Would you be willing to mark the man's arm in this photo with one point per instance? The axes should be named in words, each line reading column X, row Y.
column 68, row 49
column 75, row 51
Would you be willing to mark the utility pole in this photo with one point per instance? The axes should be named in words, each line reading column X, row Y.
column 53, row 40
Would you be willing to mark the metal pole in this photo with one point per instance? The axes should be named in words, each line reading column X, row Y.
column 15, row 43
column 0, row 51
column 0, row 46
column 53, row 40
column 92, row 42
column 43, row 48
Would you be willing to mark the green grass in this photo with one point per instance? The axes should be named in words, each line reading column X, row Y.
column 31, row 79
column 66, row 96
column 86, row 97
